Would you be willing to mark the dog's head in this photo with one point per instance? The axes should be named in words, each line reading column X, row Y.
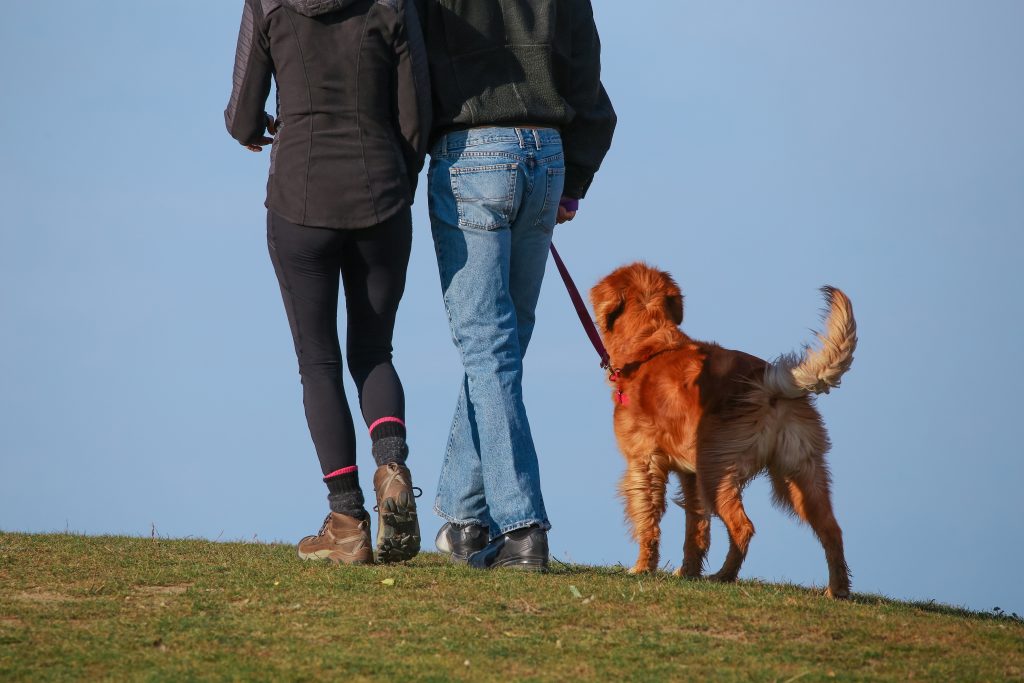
column 636, row 305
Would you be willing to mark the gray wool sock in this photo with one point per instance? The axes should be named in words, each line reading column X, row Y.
column 345, row 497
column 349, row 503
column 388, row 437
column 390, row 449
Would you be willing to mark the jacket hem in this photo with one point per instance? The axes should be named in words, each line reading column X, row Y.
column 338, row 223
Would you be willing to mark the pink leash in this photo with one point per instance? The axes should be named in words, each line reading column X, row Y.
column 581, row 309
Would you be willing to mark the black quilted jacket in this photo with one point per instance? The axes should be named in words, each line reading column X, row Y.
column 507, row 62
column 353, row 106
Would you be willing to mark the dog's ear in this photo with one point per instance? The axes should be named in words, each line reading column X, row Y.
column 610, row 312
column 673, row 301
column 674, row 307
column 608, row 305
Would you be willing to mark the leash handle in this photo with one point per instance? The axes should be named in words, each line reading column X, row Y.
column 581, row 308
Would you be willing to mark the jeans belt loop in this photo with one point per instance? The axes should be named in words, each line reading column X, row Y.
column 444, row 145
column 536, row 138
column 519, row 134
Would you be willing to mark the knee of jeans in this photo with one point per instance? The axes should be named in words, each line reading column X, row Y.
column 485, row 361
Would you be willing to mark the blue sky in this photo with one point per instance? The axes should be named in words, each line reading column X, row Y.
column 764, row 149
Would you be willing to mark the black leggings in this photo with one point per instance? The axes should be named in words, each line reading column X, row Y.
column 371, row 263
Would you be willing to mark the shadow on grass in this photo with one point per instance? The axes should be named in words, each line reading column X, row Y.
column 997, row 614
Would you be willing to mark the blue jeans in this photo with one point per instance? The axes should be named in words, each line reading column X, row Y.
column 493, row 196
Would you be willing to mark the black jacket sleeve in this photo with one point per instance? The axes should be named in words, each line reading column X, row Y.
column 589, row 135
column 413, row 90
column 245, row 116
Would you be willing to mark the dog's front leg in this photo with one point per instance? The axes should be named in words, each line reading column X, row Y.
column 643, row 489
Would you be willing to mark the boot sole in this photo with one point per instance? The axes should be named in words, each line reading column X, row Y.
column 329, row 556
column 398, row 538
column 523, row 566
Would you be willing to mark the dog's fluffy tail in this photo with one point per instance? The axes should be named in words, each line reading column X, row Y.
column 817, row 371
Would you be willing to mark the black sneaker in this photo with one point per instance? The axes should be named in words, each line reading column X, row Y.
column 459, row 542
column 525, row 549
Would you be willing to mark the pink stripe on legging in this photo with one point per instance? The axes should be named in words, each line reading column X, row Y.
column 343, row 470
column 385, row 419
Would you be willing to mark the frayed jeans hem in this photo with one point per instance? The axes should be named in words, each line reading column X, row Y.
column 542, row 523
column 458, row 522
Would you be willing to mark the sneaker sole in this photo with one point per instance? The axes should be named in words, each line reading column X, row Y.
column 398, row 537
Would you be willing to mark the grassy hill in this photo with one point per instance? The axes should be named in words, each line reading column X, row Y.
column 74, row 607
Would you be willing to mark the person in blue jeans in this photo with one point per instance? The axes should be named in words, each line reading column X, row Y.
column 522, row 123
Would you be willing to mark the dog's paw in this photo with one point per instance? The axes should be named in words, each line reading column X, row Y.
column 639, row 569
column 723, row 577
column 839, row 594
column 683, row 574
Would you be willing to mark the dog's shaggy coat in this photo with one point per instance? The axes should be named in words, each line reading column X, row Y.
column 717, row 418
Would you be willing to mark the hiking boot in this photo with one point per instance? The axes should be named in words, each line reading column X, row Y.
column 459, row 542
column 398, row 527
column 342, row 539
column 525, row 549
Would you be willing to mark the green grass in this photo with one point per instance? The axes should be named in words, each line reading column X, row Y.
column 74, row 607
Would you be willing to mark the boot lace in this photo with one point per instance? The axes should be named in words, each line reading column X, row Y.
column 324, row 526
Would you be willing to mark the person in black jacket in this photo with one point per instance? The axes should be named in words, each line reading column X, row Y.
column 349, row 139
column 521, row 125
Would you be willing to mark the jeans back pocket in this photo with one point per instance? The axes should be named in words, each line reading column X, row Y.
column 485, row 195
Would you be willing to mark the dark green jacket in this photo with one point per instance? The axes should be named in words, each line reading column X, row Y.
column 527, row 62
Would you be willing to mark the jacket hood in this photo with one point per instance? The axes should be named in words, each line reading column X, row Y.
column 313, row 8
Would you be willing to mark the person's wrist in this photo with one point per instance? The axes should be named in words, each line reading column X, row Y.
column 569, row 204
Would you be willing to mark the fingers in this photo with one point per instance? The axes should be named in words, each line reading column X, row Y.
column 258, row 146
column 567, row 208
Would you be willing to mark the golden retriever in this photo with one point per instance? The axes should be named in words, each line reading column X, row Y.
column 717, row 418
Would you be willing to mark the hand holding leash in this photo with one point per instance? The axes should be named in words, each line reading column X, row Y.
column 567, row 209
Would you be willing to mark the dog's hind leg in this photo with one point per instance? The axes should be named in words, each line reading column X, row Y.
column 698, row 527
column 809, row 494
column 725, row 491
column 643, row 489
